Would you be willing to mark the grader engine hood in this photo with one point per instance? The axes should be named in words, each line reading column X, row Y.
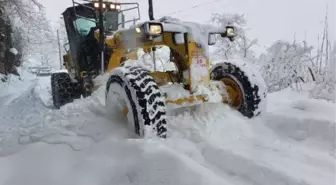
column 152, row 33
column 190, row 40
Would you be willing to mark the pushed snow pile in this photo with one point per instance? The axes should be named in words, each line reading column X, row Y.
column 299, row 118
column 14, row 86
column 162, row 60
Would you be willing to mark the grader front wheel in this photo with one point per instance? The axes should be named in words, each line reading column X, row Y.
column 133, row 94
column 244, row 95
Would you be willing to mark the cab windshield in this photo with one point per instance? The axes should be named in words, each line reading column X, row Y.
column 83, row 25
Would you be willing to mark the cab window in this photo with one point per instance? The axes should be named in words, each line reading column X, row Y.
column 83, row 26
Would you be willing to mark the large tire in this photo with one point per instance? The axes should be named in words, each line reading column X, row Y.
column 63, row 89
column 250, row 82
column 133, row 88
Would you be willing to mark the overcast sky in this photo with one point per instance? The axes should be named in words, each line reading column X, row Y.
column 268, row 20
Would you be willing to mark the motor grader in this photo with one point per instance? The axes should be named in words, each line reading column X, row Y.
column 98, row 46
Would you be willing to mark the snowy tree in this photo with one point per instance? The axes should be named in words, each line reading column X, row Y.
column 38, row 40
column 30, row 31
column 242, row 44
column 285, row 63
column 326, row 79
column 332, row 63
column 25, row 10
column 324, row 67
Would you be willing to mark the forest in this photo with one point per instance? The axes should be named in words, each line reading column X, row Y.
column 23, row 30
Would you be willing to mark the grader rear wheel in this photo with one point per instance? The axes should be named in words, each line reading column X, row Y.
column 63, row 90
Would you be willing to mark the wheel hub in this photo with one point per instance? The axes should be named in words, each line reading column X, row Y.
column 234, row 91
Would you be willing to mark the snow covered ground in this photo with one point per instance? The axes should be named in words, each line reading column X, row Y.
column 293, row 143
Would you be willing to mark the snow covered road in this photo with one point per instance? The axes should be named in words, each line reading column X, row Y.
column 293, row 143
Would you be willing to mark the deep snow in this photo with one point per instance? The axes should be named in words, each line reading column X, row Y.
column 292, row 143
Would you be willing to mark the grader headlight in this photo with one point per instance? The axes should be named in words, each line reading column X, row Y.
column 154, row 29
column 96, row 5
column 107, row 5
column 138, row 30
column 230, row 31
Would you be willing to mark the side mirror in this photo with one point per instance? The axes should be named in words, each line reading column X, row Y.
column 179, row 38
column 212, row 39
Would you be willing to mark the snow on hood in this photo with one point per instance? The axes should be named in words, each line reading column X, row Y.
column 198, row 32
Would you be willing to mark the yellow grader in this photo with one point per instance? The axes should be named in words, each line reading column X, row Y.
column 99, row 44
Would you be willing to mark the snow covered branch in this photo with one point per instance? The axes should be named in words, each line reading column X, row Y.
column 285, row 63
column 242, row 46
column 24, row 9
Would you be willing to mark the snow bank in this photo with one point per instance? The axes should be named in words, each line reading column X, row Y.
column 14, row 86
column 325, row 90
column 126, row 162
column 300, row 118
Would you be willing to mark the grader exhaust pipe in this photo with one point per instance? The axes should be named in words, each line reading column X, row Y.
column 150, row 10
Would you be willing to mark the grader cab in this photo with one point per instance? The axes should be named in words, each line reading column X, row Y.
column 144, row 96
column 83, row 58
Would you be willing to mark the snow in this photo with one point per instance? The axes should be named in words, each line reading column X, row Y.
column 174, row 91
column 198, row 32
column 61, row 71
column 14, row 51
column 14, row 86
column 293, row 142
column 212, row 93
